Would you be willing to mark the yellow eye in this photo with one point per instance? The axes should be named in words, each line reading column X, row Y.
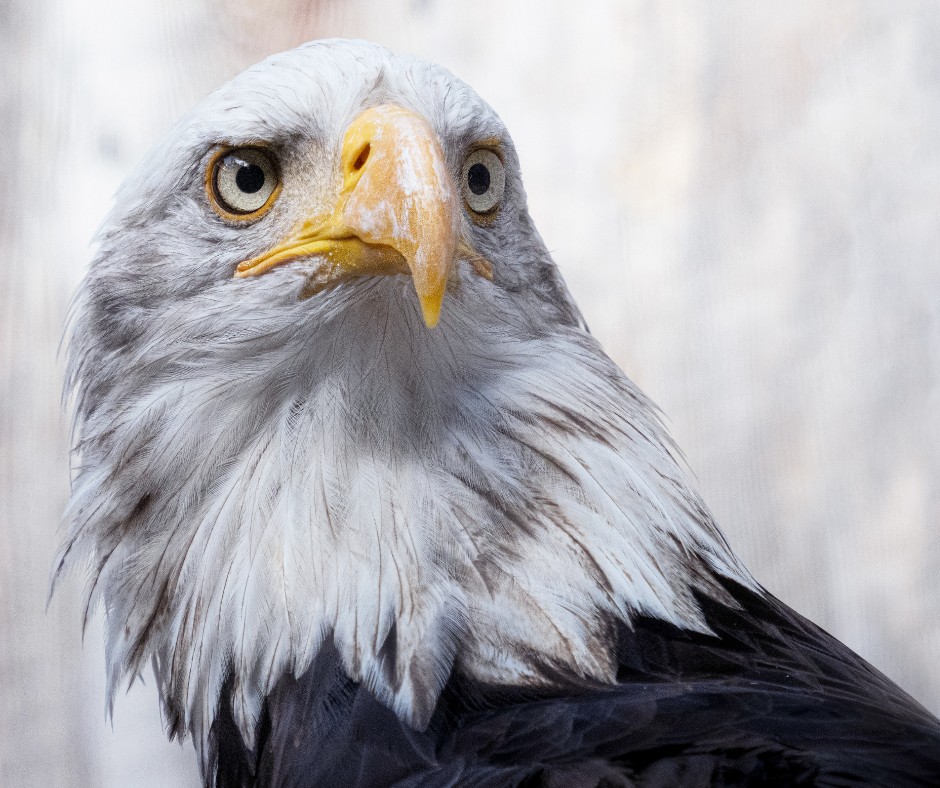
column 483, row 180
column 242, row 183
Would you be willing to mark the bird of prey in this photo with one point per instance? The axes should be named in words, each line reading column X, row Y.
column 356, row 480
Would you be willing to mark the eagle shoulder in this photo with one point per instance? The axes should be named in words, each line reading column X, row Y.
column 769, row 698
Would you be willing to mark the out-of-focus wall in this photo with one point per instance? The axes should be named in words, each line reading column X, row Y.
column 744, row 198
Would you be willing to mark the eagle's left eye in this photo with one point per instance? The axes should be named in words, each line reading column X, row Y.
column 242, row 182
column 483, row 181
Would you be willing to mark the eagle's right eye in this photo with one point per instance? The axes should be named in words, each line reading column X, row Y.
column 242, row 183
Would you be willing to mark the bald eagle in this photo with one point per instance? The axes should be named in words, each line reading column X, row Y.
column 356, row 480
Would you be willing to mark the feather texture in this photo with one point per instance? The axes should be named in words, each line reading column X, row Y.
column 315, row 514
column 767, row 699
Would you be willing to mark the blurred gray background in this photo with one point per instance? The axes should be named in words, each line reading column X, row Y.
column 745, row 200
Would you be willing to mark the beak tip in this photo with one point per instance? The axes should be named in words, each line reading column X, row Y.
column 431, row 310
column 431, row 318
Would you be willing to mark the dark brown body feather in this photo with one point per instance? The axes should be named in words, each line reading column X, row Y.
column 771, row 699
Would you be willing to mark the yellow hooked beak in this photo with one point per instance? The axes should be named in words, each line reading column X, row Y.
column 397, row 212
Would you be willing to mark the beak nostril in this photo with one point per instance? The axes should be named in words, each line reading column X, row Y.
column 363, row 156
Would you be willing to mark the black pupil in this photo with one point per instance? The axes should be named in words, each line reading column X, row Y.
column 249, row 178
column 478, row 178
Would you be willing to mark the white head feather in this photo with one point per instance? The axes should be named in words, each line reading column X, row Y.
column 260, row 474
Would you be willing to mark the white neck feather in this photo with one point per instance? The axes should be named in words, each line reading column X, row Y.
column 476, row 501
